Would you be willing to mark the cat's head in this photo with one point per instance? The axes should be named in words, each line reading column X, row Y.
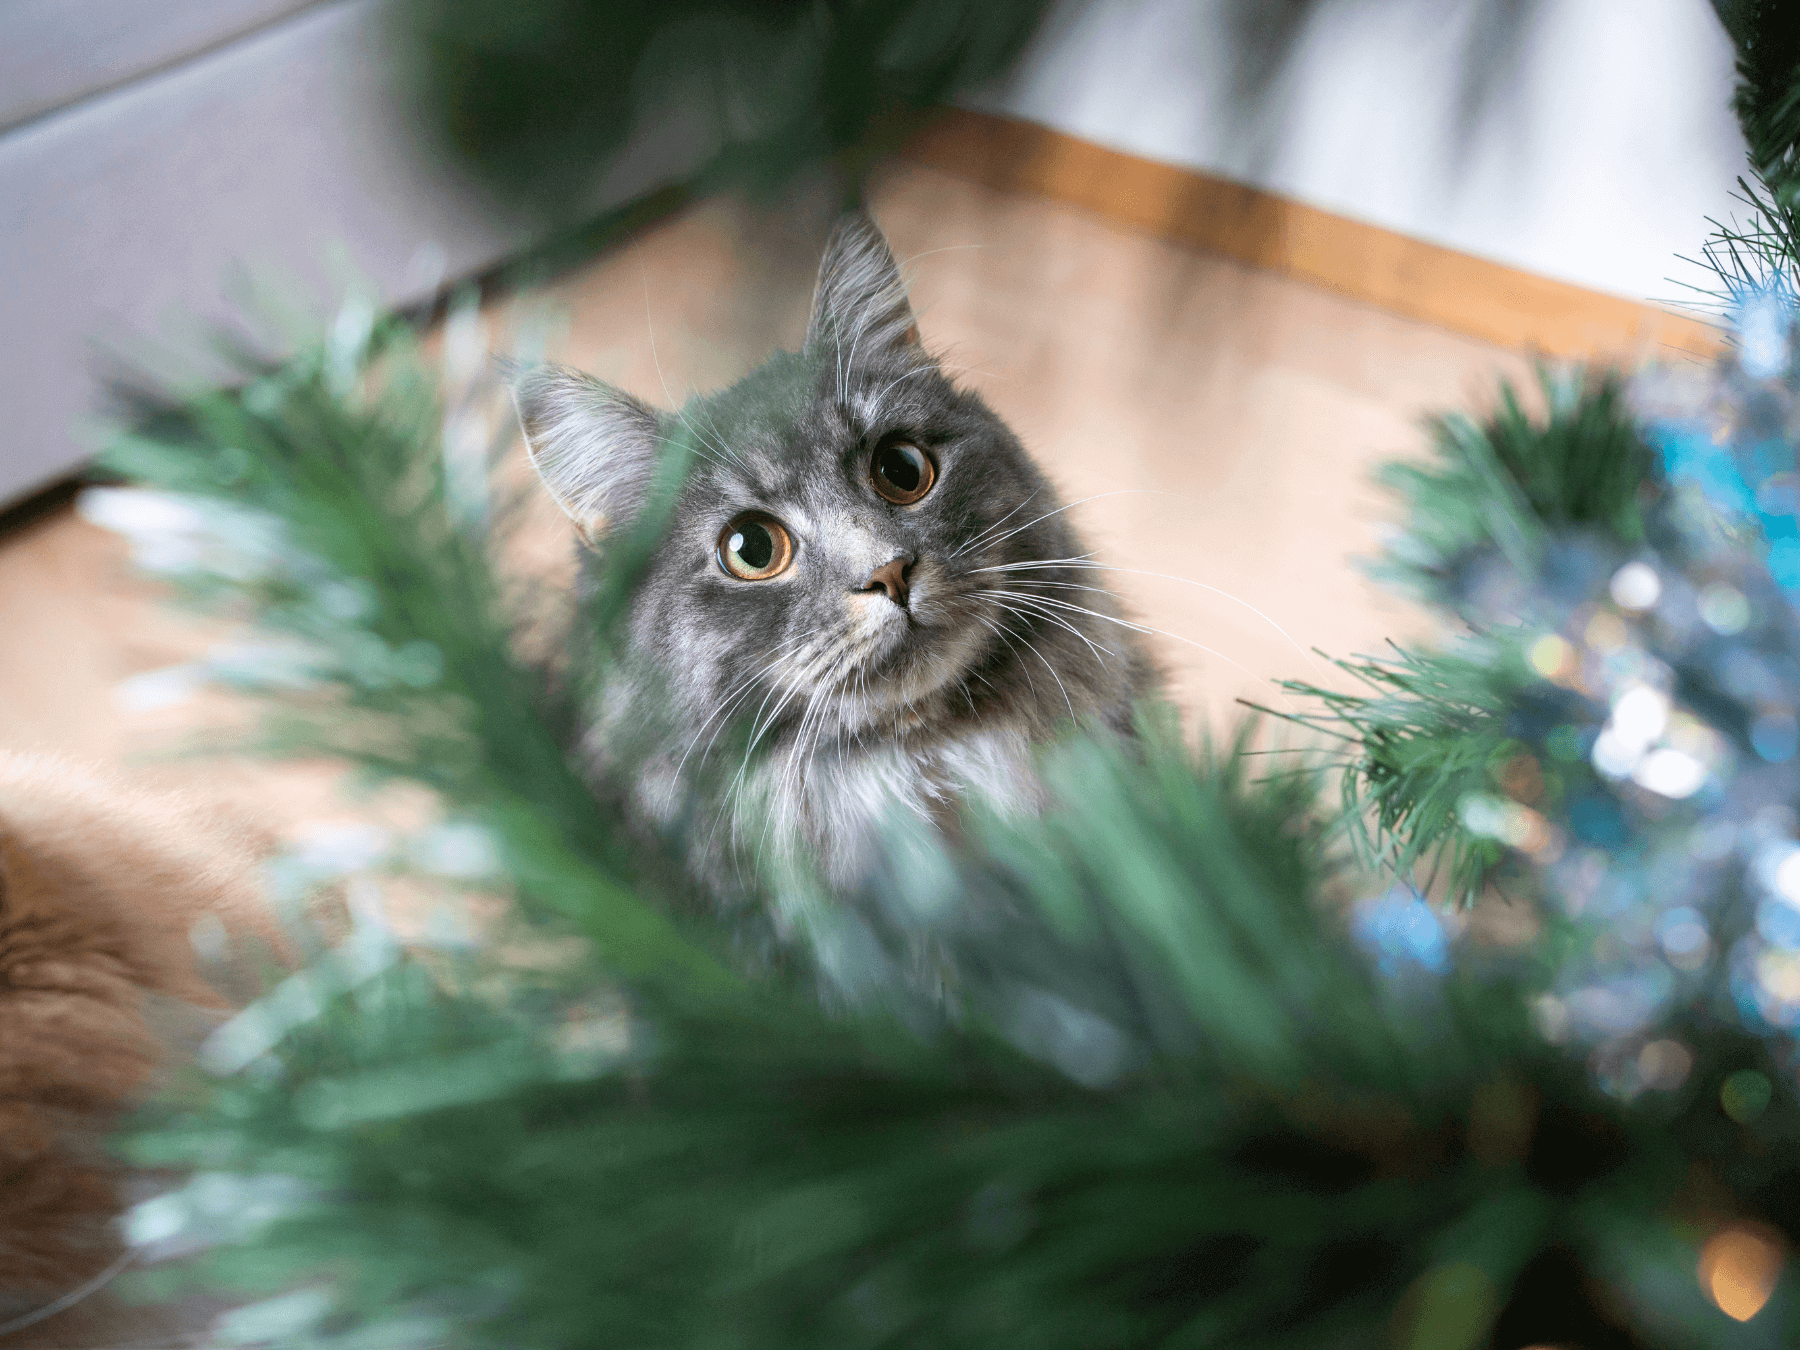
column 847, row 512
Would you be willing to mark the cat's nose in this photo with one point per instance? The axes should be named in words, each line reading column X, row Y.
column 891, row 577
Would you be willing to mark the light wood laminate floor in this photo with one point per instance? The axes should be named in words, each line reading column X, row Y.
column 1218, row 426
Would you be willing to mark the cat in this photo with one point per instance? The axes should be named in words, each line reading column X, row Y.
column 862, row 565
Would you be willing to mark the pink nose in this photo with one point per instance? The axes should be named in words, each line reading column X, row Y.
column 891, row 577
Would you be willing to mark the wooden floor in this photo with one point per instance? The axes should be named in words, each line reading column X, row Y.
column 1218, row 424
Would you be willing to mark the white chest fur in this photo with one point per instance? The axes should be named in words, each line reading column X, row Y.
column 839, row 803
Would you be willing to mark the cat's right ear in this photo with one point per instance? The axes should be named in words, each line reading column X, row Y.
column 594, row 446
column 859, row 303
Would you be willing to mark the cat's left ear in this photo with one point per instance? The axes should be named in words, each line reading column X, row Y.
column 594, row 446
column 859, row 304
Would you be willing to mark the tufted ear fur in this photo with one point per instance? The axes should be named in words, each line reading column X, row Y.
column 594, row 446
column 859, row 303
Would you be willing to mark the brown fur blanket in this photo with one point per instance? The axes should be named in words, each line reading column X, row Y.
column 100, row 888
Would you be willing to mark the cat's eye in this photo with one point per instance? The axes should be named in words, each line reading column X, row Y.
column 755, row 547
column 901, row 472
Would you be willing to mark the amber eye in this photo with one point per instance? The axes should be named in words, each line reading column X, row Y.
column 902, row 472
column 755, row 547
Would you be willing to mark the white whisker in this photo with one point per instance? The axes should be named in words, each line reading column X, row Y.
column 759, row 727
column 1046, row 564
column 737, row 691
column 916, row 370
column 1035, row 602
column 997, row 524
column 1119, row 492
column 656, row 361
column 911, row 258
column 1000, row 633
column 1173, row 637
column 800, row 754
column 1031, row 647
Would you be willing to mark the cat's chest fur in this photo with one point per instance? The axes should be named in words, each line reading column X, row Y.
column 839, row 804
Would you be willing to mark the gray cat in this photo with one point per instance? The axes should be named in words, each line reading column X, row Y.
column 863, row 568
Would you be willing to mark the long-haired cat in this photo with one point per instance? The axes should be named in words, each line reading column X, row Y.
column 862, row 566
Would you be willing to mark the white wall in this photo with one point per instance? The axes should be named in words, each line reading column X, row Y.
column 126, row 213
column 57, row 52
column 1590, row 149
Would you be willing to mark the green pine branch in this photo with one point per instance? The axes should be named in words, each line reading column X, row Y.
column 1430, row 731
column 1115, row 1075
column 346, row 539
column 1767, row 98
column 1434, row 726
column 1504, row 486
